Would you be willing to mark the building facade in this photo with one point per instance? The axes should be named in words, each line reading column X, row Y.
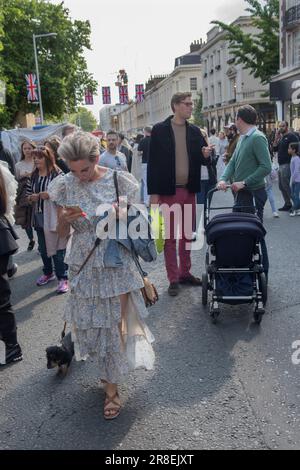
column 109, row 116
column 186, row 76
column 227, row 85
column 285, row 87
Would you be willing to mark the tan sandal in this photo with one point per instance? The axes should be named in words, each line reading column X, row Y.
column 113, row 410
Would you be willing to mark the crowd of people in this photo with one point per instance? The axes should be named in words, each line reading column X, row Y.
column 54, row 193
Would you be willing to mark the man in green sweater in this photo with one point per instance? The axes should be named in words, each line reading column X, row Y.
column 248, row 167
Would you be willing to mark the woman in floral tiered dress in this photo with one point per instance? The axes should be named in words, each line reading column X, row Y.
column 105, row 309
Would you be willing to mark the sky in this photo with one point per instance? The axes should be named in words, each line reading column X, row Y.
column 144, row 37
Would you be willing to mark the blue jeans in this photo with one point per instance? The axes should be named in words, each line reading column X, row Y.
column 271, row 198
column 61, row 269
column 296, row 196
column 29, row 233
column 251, row 200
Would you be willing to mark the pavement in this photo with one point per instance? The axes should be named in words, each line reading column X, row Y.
column 227, row 386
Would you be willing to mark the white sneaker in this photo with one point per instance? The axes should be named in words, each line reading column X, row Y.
column 275, row 215
column 298, row 212
column 292, row 213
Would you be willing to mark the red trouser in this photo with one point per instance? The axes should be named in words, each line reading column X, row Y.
column 182, row 221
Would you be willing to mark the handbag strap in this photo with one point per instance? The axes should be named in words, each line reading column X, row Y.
column 116, row 186
column 97, row 242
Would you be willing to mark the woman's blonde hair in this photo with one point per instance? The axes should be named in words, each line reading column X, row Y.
column 79, row 146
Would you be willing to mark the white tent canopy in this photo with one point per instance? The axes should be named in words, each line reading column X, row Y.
column 13, row 138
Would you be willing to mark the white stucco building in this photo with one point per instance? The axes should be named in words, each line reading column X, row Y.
column 186, row 76
column 227, row 85
column 285, row 87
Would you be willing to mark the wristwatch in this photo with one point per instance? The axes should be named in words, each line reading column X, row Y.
column 245, row 184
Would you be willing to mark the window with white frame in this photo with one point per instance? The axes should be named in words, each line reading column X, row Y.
column 205, row 97
column 219, row 97
column 218, row 57
column 212, row 94
column 291, row 3
column 205, row 66
column 193, row 84
column 293, row 49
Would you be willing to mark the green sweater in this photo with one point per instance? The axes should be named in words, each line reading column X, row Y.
column 251, row 161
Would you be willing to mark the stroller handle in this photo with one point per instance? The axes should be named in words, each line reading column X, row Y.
column 209, row 208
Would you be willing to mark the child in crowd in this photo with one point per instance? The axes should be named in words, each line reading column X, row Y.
column 295, row 178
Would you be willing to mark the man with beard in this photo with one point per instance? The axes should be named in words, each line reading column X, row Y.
column 233, row 137
column 112, row 158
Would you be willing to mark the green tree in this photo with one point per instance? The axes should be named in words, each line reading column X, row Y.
column 84, row 119
column 62, row 66
column 198, row 118
column 257, row 52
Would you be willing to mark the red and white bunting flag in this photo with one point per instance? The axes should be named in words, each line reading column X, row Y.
column 89, row 99
column 123, row 92
column 139, row 93
column 106, row 98
column 32, row 89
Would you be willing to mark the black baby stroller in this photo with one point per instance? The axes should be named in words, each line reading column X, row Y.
column 234, row 272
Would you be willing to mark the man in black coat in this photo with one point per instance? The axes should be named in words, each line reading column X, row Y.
column 177, row 151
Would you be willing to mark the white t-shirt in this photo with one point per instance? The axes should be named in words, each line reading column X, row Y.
column 24, row 168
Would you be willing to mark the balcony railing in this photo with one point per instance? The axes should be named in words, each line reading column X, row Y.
column 292, row 17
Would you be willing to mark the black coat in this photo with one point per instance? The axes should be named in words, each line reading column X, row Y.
column 161, row 177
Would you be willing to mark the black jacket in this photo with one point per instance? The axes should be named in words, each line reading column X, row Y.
column 161, row 171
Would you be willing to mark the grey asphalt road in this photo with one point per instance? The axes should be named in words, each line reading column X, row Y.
column 224, row 386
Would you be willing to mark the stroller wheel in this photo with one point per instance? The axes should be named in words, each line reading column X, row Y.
column 258, row 314
column 263, row 287
column 214, row 314
column 204, row 288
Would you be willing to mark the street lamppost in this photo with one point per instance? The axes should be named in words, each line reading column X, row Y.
column 35, row 36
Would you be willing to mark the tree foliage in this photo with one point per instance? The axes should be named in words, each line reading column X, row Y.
column 198, row 118
column 84, row 119
column 62, row 66
column 257, row 52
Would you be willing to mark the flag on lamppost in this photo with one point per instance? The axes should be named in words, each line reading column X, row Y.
column 139, row 93
column 106, row 98
column 123, row 92
column 32, row 89
column 89, row 99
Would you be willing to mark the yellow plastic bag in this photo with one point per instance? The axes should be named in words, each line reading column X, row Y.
column 158, row 229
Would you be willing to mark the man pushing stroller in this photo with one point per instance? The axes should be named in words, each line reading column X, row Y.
column 248, row 167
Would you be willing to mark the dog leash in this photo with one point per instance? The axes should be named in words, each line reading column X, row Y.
column 63, row 333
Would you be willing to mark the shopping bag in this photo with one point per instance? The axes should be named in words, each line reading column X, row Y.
column 158, row 229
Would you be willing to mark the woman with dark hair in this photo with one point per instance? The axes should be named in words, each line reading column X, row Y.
column 8, row 246
column 24, row 169
column 52, row 145
column 52, row 248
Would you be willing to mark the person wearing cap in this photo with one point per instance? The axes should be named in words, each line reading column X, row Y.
column 248, row 167
column 232, row 137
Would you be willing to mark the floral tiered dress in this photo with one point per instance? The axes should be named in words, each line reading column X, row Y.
column 93, row 307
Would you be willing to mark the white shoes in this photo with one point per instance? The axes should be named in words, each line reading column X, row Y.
column 275, row 215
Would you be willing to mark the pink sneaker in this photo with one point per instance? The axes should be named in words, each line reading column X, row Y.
column 63, row 287
column 44, row 279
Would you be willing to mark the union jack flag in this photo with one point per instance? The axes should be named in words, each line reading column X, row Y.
column 106, row 99
column 123, row 92
column 89, row 99
column 139, row 93
column 31, row 85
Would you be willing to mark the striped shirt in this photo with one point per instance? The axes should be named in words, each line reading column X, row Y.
column 38, row 184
